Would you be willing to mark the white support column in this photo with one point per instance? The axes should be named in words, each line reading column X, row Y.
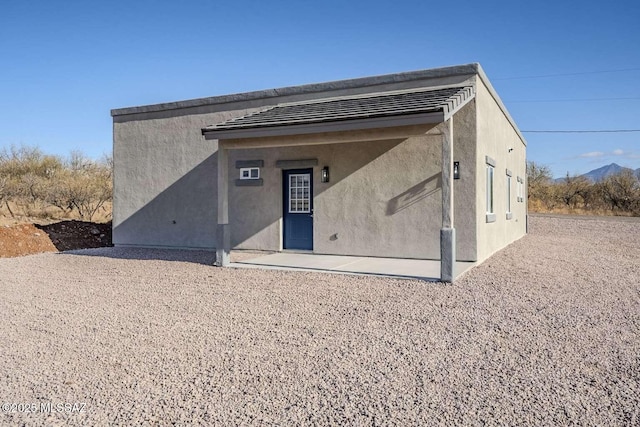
column 223, row 241
column 448, row 232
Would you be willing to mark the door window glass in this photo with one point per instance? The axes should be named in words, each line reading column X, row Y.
column 299, row 190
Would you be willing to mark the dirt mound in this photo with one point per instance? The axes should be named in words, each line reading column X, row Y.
column 26, row 239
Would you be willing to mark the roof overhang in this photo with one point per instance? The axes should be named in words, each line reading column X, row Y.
column 331, row 126
column 362, row 112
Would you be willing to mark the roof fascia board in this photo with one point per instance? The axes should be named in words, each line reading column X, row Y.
column 341, row 126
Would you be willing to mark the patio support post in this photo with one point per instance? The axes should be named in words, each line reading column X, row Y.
column 448, row 232
column 223, row 241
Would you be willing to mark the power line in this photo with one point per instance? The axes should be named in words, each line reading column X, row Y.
column 572, row 100
column 582, row 131
column 568, row 74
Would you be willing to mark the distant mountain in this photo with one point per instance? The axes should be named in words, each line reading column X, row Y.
column 603, row 172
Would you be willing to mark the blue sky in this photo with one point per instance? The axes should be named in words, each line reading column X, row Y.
column 66, row 64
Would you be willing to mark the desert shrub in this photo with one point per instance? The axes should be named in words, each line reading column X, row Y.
column 25, row 172
column 618, row 194
column 622, row 192
column 34, row 182
column 538, row 180
column 88, row 189
column 573, row 190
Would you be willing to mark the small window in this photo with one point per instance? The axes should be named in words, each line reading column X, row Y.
column 490, row 170
column 491, row 164
column 299, row 193
column 249, row 173
column 509, row 216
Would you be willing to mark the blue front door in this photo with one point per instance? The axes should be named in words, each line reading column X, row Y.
column 298, row 209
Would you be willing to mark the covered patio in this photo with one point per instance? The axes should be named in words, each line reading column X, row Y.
column 370, row 117
column 428, row 270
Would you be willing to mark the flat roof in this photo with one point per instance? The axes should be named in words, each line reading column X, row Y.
column 441, row 72
column 457, row 70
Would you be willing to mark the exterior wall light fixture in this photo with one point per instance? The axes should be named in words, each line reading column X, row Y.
column 456, row 170
column 325, row 174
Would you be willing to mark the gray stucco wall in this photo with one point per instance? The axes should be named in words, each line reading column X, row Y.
column 164, row 187
column 384, row 197
column 165, row 175
column 498, row 139
column 464, row 151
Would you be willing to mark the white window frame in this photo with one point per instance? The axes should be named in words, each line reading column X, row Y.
column 249, row 173
column 519, row 194
column 490, row 189
column 522, row 189
column 509, row 213
column 302, row 199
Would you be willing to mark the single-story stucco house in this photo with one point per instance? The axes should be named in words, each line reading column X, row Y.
column 423, row 165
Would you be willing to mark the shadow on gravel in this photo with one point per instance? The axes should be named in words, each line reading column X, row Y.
column 144, row 254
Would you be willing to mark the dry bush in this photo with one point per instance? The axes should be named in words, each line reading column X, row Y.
column 32, row 183
column 87, row 189
column 574, row 191
column 538, row 180
column 622, row 192
column 616, row 195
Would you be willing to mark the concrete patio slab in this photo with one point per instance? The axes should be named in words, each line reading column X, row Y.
column 387, row 267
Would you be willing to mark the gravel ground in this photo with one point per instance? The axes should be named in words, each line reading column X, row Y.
column 546, row 332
